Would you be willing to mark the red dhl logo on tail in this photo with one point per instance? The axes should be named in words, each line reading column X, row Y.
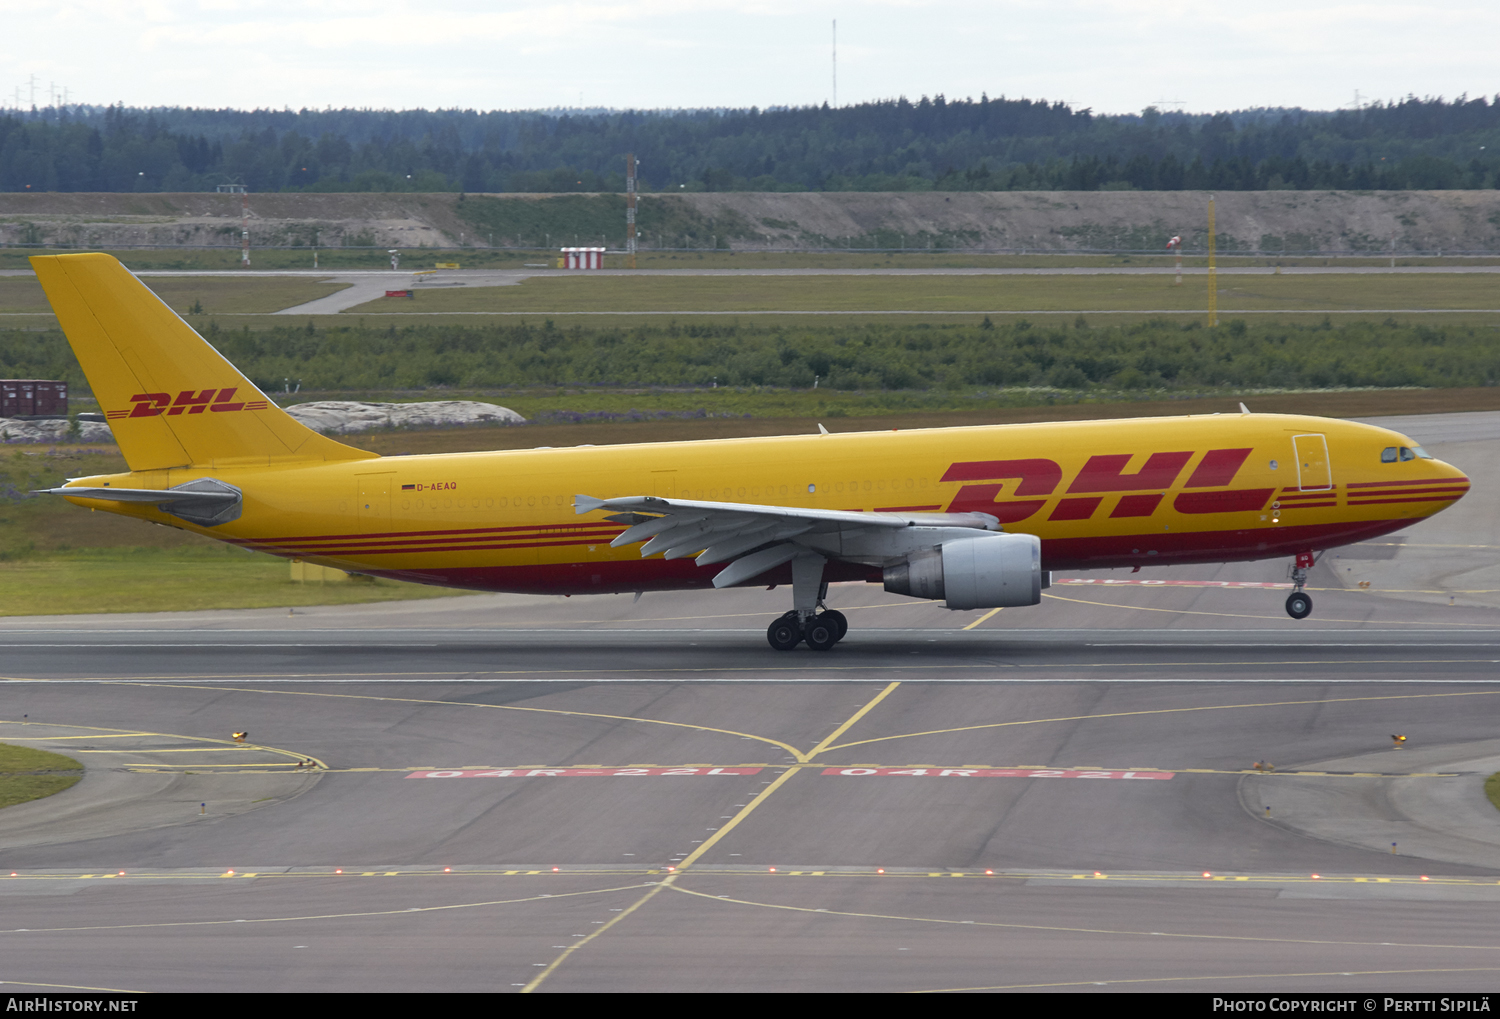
column 150, row 405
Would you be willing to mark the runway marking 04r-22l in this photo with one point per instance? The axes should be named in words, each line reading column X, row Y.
column 844, row 772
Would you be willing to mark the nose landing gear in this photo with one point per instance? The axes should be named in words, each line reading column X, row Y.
column 1298, row 604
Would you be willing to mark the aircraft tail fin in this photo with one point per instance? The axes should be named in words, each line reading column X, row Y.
column 170, row 398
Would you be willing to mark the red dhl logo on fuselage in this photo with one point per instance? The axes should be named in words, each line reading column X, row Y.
column 1100, row 476
column 1103, row 475
column 150, row 405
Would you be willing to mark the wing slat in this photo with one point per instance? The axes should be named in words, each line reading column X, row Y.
column 651, row 528
column 701, row 530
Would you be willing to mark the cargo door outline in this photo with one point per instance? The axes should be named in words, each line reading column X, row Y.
column 372, row 502
column 1314, row 472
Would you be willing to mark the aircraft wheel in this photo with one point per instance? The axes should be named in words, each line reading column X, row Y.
column 784, row 634
column 822, row 634
column 1298, row 605
column 840, row 624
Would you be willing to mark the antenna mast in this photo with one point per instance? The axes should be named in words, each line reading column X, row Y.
column 244, row 230
column 835, row 63
column 1213, row 282
column 630, row 209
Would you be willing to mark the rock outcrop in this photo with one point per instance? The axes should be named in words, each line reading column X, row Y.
column 342, row 417
column 331, row 417
column 15, row 430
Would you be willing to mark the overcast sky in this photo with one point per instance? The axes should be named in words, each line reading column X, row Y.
column 1115, row 56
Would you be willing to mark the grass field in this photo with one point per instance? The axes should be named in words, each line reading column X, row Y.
column 824, row 299
column 556, row 295
column 151, row 580
column 225, row 296
column 17, row 786
column 57, row 558
column 483, row 258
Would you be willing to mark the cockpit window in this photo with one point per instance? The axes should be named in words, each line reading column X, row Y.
column 1422, row 454
column 1388, row 455
column 1407, row 454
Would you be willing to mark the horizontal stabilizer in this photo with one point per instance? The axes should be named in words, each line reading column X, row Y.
column 157, row 495
column 205, row 501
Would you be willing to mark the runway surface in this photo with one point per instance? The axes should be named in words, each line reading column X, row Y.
column 511, row 793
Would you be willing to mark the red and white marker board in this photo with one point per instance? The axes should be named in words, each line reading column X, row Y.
column 581, row 772
column 994, row 773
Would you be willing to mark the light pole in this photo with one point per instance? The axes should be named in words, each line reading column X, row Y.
column 1213, row 282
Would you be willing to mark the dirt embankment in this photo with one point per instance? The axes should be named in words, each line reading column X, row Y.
column 197, row 220
column 1266, row 221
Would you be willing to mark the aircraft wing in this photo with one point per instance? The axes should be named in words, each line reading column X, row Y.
column 755, row 538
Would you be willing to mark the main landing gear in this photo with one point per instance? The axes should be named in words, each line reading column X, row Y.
column 810, row 621
column 821, row 631
column 1299, row 604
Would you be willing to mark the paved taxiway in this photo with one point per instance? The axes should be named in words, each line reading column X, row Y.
column 1110, row 831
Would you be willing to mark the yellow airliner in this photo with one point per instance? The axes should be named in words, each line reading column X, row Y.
column 977, row 517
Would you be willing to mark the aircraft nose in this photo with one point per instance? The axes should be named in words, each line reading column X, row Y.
column 1442, row 484
column 1457, row 482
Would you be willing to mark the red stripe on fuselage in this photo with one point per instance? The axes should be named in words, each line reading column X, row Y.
column 657, row 574
column 1432, row 490
column 416, row 544
column 1382, row 502
column 453, row 531
column 340, row 551
column 1410, row 481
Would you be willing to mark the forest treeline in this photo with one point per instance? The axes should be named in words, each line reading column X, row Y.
column 1152, row 355
column 897, row 145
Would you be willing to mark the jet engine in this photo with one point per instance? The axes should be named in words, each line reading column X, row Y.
column 994, row 571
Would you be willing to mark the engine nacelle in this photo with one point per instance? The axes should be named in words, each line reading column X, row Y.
column 993, row 571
